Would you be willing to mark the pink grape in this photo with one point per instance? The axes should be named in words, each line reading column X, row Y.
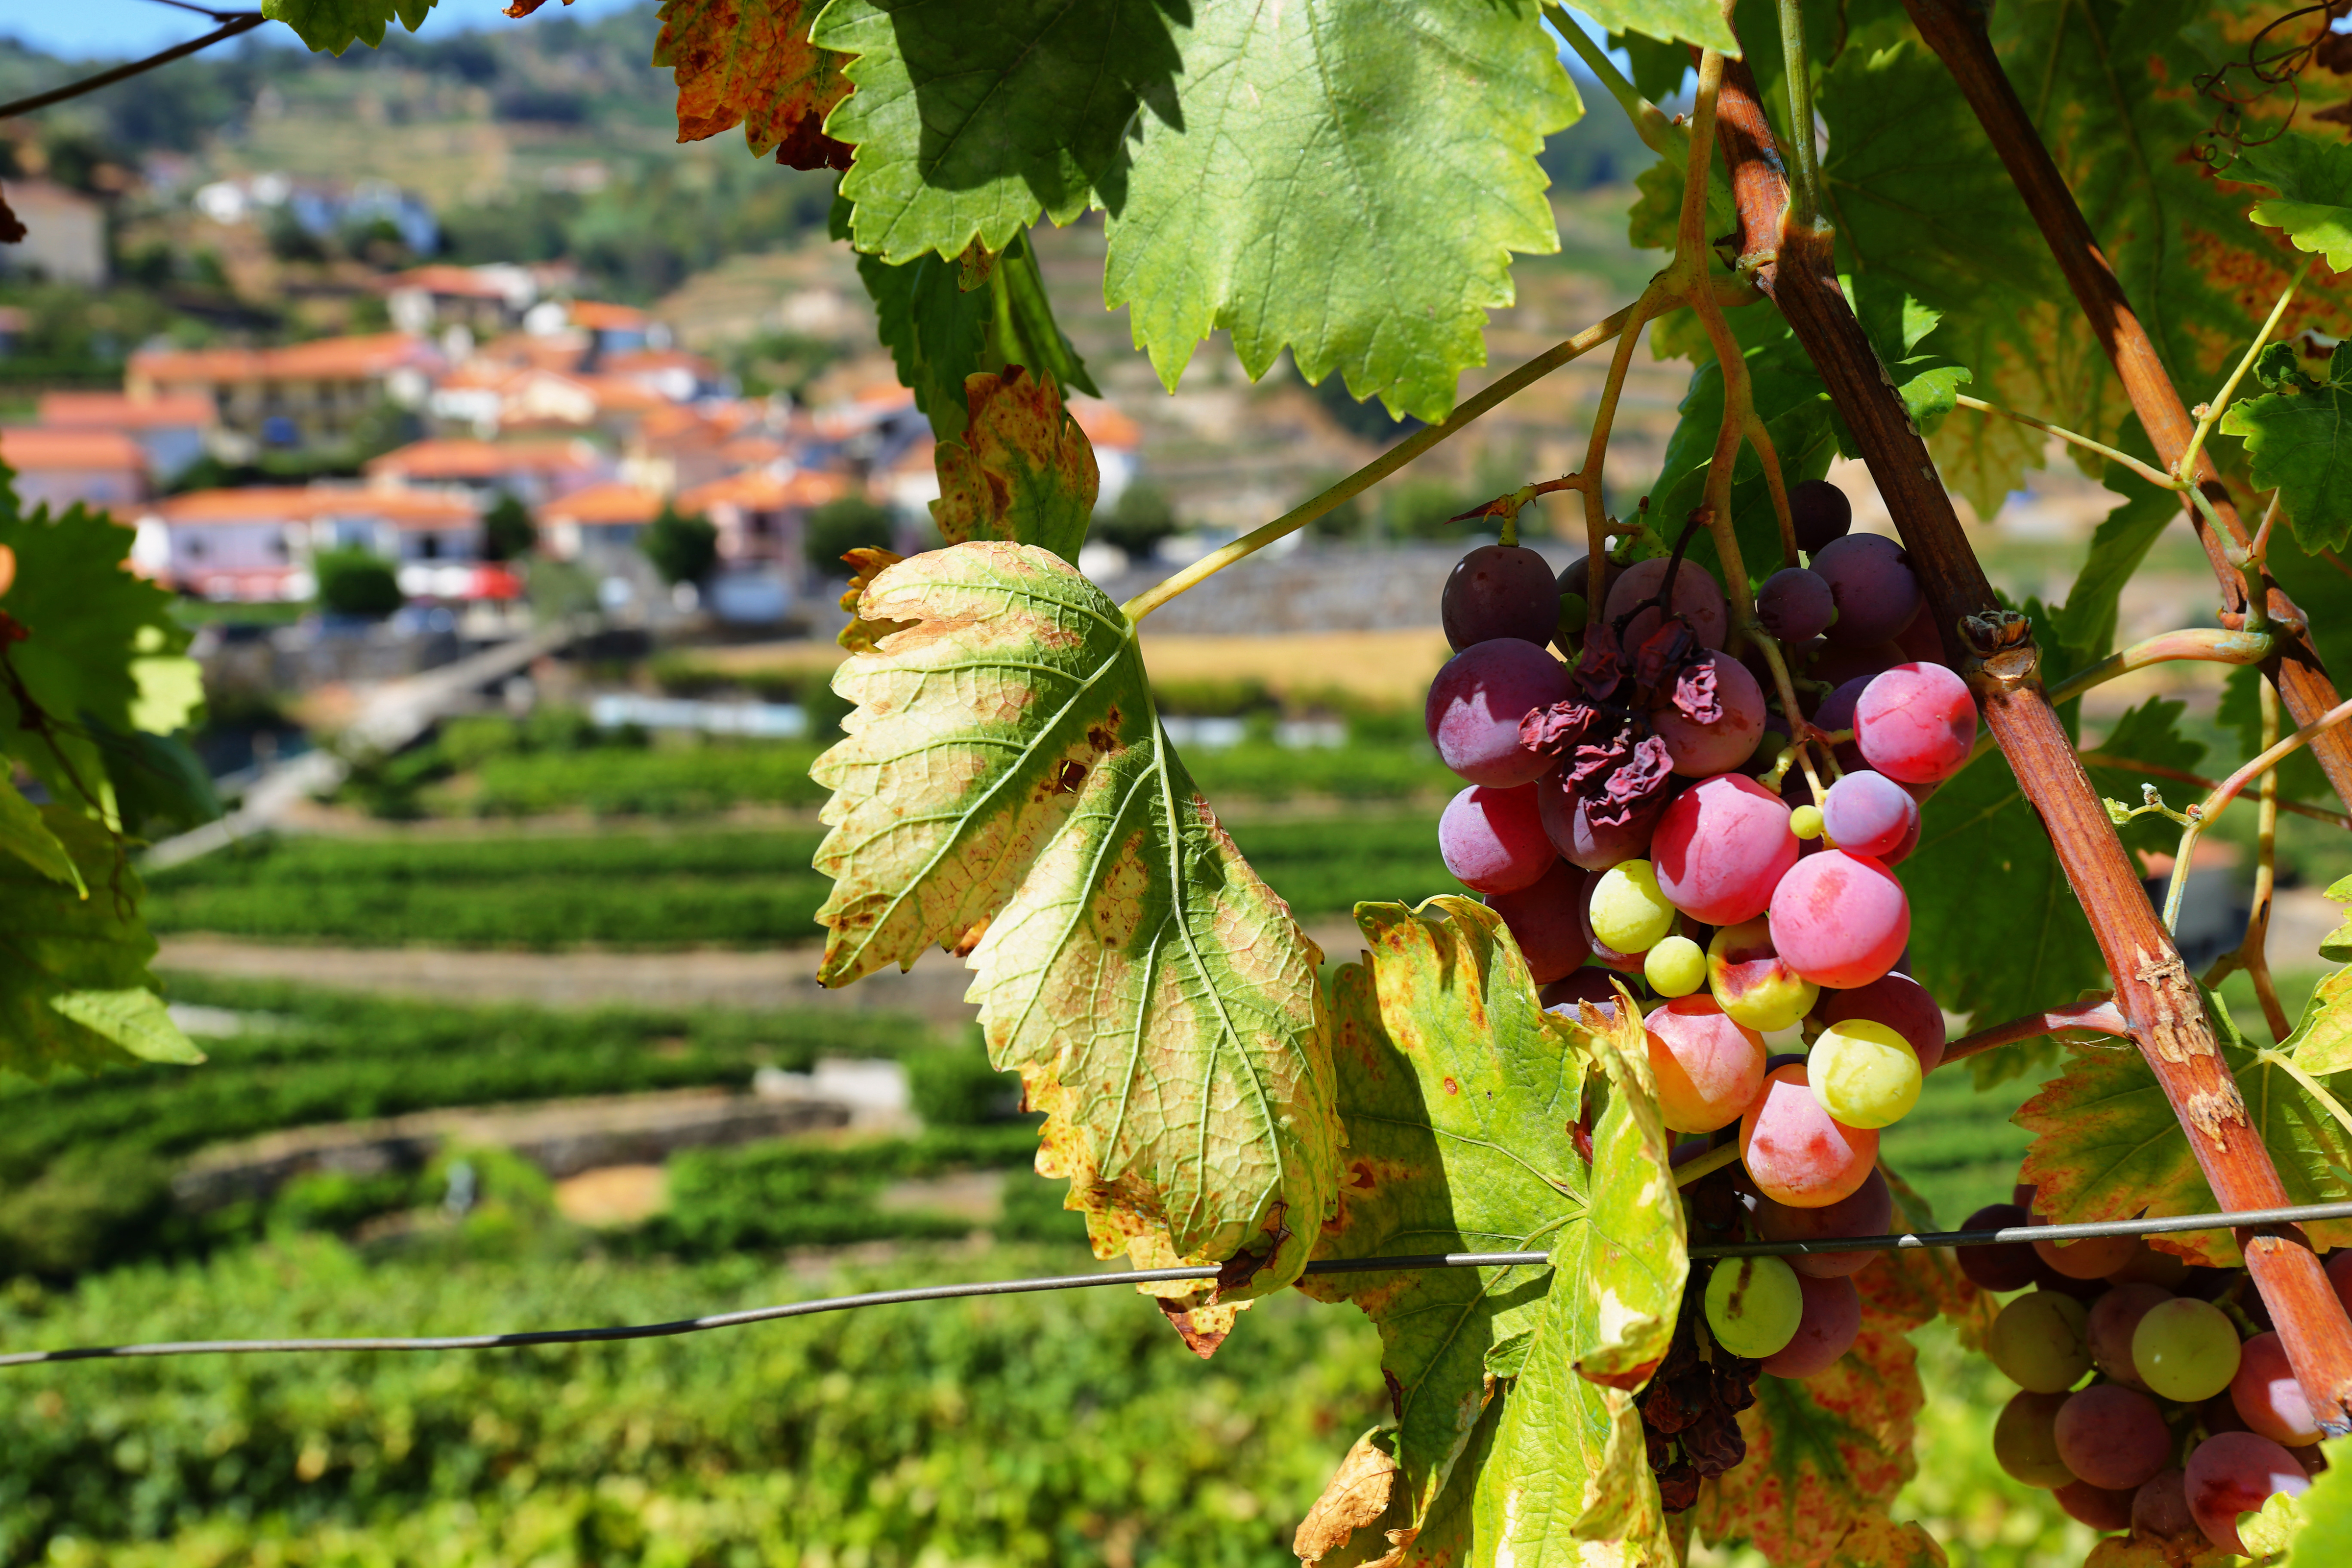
column 1820, row 513
column 1475, row 705
column 2268, row 1398
column 1698, row 750
column 1545, row 918
column 1794, row 605
column 1903, row 1004
column 1868, row 813
column 1832, row 1322
column 1871, row 581
column 1916, row 723
column 1698, row 599
column 1868, row 1210
column 1492, row 840
column 1500, row 591
column 1795, row 1152
column 2114, row 1318
column 1707, row 1067
column 2113, row 1437
column 1840, row 920
column 1593, row 845
column 2001, row 1266
column 1721, row 848
column 2160, row 1508
column 2095, row 1506
column 2232, row 1473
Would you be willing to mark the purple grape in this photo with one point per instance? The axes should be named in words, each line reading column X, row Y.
column 2002, row 1266
column 1595, row 847
column 1492, row 840
column 1870, row 814
column 1795, row 604
column 1500, row 591
column 1575, row 578
column 1875, row 589
column 1836, row 712
column 1698, row 599
column 1475, row 705
column 1821, row 512
column 1545, row 920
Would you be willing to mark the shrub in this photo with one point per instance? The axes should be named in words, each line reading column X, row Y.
column 357, row 584
column 841, row 526
column 507, row 531
column 682, row 549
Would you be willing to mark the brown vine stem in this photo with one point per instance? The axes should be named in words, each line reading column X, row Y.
column 1994, row 648
column 1955, row 29
column 2091, row 1013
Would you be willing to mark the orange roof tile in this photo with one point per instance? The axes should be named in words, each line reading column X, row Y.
column 1103, row 423
column 760, row 490
column 600, row 316
column 457, row 282
column 119, row 411
column 327, row 359
column 465, row 459
column 611, row 502
column 276, row 504
column 32, row 447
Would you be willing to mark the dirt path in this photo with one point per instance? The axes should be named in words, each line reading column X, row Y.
column 775, row 979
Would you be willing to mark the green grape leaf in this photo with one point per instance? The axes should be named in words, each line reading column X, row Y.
column 1004, row 790
column 750, row 63
column 1658, row 65
column 2325, row 1538
column 2086, row 623
column 1023, row 470
column 2107, row 1144
column 24, row 835
column 1686, row 21
column 330, row 26
column 1827, row 1455
column 2300, row 444
column 2322, row 1042
column 2314, row 182
column 65, row 993
column 1652, row 222
column 2337, row 945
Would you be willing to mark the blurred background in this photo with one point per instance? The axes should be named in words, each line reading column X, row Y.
column 502, row 452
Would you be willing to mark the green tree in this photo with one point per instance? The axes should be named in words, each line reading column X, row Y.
column 683, row 549
column 507, row 531
column 356, row 583
column 838, row 527
column 1139, row 522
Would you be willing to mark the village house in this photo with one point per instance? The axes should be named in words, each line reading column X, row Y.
column 255, row 544
column 173, row 431
column 307, row 395
column 105, row 469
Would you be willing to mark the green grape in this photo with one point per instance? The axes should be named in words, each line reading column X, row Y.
column 1629, row 913
column 2042, row 1342
column 2026, row 1441
column 1674, row 967
column 1864, row 1073
column 1754, row 1306
column 1805, row 822
column 2185, row 1348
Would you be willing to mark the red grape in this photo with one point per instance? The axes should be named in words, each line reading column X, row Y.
column 1698, row 749
column 2113, row 1437
column 1820, row 512
column 1721, row 848
column 2093, row 1257
column 1916, row 723
column 2113, row 1315
column 1840, row 920
column 1794, row 1152
column 2095, row 1506
column 1546, row 918
column 2232, row 1473
column 1492, row 840
column 1794, row 605
column 1697, row 599
column 1500, row 591
column 1707, row 1067
column 2152, row 1268
column 1868, row 813
column 1876, row 591
column 1475, row 705
column 1999, row 1266
column 1868, row 1210
column 2267, row 1395
column 1903, row 1004
column 1921, row 641
column 1595, row 846
column 2160, row 1508
column 2339, row 1274
column 1827, row 1330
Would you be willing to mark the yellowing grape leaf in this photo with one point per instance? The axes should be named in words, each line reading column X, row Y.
column 330, row 26
column 2322, row 1042
column 1003, row 789
column 1023, row 470
column 2107, row 1145
column 750, row 63
column 2314, row 182
column 1826, row 1456
column 2300, row 439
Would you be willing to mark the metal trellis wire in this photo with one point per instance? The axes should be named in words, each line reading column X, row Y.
column 2241, row 1220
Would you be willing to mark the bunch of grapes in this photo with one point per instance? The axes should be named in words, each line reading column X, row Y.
column 2154, row 1395
column 1632, row 816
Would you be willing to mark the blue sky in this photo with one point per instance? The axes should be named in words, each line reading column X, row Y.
column 116, row 29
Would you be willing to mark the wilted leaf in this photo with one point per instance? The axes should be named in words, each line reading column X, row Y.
column 2108, row 1146
column 1023, row 472
column 2314, row 182
column 2300, row 444
column 750, row 63
column 866, row 563
column 1361, row 1502
column 330, row 26
column 65, row 993
column 1004, row 790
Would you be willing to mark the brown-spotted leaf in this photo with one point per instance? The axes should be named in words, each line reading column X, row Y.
column 1003, row 789
column 1828, row 1455
column 1023, row 470
column 750, row 63
column 865, row 564
column 2108, row 1146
